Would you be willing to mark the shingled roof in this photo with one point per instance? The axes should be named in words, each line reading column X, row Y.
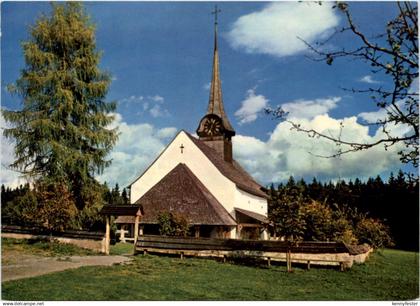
column 233, row 170
column 253, row 215
column 180, row 191
column 121, row 210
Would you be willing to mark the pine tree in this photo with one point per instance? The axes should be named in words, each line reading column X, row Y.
column 291, row 182
column 116, row 196
column 124, row 196
column 61, row 131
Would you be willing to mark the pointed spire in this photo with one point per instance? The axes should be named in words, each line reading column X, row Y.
column 215, row 99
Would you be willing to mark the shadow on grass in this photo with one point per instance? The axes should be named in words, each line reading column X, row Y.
column 238, row 260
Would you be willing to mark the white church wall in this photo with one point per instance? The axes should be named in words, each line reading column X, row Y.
column 250, row 202
column 222, row 188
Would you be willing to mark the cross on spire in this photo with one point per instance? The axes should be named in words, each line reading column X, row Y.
column 215, row 12
column 215, row 106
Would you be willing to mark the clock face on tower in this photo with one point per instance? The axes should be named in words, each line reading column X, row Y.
column 212, row 126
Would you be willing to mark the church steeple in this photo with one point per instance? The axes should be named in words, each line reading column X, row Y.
column 215, row 128
column 216, row 99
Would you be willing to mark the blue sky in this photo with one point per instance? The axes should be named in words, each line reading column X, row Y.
column 160, row 56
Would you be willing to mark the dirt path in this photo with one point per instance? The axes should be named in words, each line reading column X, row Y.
column 16, row 265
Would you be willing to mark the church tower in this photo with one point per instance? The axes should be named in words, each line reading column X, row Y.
column 214, row 128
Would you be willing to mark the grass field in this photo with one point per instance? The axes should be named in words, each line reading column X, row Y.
column 388, row 275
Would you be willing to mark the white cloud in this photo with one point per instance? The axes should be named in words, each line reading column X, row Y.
column 368, row 79
column 381, row 114
column 251, row 106
column 373, row 117
column 153, row 105
column 288, row 152
column 132, row 99
column 310, row 108
column 207, row 86
column 275, row 29
column 138, row 145
column 158, row 111
column 8, row 177
column 157, row 98
column 165, row 133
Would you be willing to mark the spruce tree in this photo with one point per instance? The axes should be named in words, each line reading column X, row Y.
column 61, row 132
column 124, row 196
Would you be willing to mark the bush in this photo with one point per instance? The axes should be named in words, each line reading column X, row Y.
column 51, row 205
column 56, row 205
column 48, row 205
column 173, row 224
column 342, row 225
column 373, row 232
column 88, row 217
column 342, row 231
column 21, row 210
column 286, row 215
column 318, row 221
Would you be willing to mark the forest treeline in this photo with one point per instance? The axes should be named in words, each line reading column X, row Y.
column 381, row 213
column 393, row 202
column 26, row 206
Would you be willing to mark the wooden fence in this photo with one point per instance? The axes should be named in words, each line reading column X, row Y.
column 14, row 229
column 185, row 243
column 305, row 252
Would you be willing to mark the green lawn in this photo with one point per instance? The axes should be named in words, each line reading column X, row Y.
column 388, row 275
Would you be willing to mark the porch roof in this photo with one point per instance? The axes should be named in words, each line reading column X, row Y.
column 253, row 215
column 122, row 210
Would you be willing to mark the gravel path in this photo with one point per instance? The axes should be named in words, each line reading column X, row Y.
column 16, row 265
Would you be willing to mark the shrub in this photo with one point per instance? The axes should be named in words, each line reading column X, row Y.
column 51, row 205
column 171, row 224
column 287, row 217
column 22, row 210
column 48, row 204
column 318, row 221
column 88, row 217
column 342, row 226
column 56, row 205
column 373, row 232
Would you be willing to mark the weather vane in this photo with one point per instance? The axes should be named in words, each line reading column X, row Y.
column 215, row 12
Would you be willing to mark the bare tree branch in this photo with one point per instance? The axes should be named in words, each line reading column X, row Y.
column 397, row 59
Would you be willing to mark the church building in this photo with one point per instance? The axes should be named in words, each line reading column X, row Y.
column 198, row 179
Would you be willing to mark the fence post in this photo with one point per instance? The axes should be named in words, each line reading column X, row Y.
column 107, row 235
column 136, row 231
column 289, row 257
column 269, row 261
